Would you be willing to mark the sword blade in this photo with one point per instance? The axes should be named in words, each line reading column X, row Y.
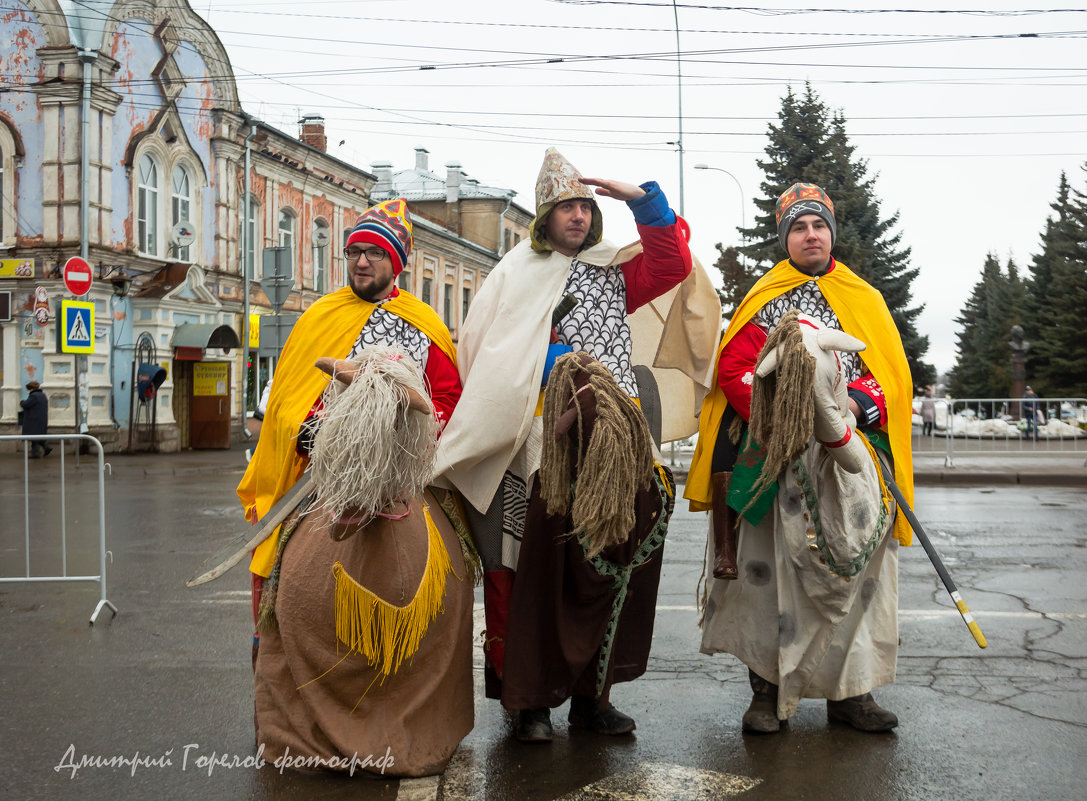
column 241, row 544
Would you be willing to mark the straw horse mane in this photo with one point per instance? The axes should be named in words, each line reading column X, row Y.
column 600, row 440
column 798, row 391
column 373, row 450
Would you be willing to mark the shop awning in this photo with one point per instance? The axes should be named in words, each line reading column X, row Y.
column 210, row 335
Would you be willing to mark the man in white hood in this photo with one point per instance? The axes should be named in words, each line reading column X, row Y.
column 490, row 451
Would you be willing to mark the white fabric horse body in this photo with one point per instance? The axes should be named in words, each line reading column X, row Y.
column 814, row 609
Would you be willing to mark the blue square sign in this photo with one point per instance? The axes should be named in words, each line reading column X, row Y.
column 76, row 326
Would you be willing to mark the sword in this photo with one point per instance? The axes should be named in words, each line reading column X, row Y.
column 241, row 544
column 934, row 557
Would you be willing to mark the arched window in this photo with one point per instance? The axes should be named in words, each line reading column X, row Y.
column 286, row 234
column 322, row 236
column 147, row 207
column 8, row 199
column 181, row 206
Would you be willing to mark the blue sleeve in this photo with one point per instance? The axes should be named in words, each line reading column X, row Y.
column 652, row 208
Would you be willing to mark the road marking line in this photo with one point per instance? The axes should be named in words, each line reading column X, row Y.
column 931, row 613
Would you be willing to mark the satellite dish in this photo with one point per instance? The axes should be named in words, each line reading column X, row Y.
column 183, row 234
column 321, row 237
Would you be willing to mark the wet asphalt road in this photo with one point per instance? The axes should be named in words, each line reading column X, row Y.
column 169, row 678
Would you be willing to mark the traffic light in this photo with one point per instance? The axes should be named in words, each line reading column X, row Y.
column 149, row 378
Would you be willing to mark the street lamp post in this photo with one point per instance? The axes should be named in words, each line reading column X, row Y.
column 743, row 224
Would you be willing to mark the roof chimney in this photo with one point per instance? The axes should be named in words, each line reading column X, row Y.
column 452, row 181
column 384, row 172
column 313, row 132
column 421, row 160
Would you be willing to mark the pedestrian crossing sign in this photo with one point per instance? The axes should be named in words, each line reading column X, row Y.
column 76, row 326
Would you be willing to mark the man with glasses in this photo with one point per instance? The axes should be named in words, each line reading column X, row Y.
column 370, row 310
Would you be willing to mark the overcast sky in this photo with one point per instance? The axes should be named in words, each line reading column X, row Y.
column 967, row 117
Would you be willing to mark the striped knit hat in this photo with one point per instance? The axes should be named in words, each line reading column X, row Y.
column 387, row 225
column 800, row 199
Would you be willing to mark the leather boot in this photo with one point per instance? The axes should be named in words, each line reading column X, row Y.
column 862, row 713
column 586, row 713
column 534, row 726
column 726, row 529
column 761, row 716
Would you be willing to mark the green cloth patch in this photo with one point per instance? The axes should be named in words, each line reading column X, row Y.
column 879, row 439
column 745, row 473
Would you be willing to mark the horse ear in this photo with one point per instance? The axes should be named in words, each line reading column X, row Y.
column 340, row 369
column 768, row 364
column 417, row 402
column 833, row 339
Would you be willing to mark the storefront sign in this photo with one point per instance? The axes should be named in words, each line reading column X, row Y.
column 210, row 378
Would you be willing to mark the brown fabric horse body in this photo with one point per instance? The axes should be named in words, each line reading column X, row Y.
column 579, row 624
column 322, row 701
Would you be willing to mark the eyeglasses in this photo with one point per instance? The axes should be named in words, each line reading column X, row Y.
column 373, row 255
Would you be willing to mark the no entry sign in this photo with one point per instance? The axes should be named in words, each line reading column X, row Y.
column 77, row 276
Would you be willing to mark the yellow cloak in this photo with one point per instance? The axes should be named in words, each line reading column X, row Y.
column 863, row 313
column 330, row 327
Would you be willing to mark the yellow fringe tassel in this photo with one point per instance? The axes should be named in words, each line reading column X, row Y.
column 382, row 632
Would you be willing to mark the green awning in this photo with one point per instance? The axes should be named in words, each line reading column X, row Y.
column 210, row 335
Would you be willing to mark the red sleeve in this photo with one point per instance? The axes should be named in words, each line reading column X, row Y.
column 443, row 382
column 737, row 366
column 873, row 401
column 665, row 261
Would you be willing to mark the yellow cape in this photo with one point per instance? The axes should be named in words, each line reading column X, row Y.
column 863, row 313
column 330, row 327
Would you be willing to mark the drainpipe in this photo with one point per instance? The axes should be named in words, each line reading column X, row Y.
column 245, row 281
column 86, row 58
column 502, row 225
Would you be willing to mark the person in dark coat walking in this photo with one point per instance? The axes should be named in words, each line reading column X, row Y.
column 36, row 419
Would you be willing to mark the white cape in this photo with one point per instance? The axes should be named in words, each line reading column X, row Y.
column 503, row 347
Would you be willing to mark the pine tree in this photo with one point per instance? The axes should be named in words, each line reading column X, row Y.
column 983, row 366
column 736, row 278
column 1057, row 297
column 810, row 144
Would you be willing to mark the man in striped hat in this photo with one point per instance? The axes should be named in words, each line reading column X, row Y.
column 370, row 310
column 809, row 599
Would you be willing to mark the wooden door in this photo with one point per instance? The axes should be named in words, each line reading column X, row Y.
column 209, row 410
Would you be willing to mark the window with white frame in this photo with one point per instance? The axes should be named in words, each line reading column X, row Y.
column 250, row 235
column 181, row 205
column 147, row 206
column 286, row 234
column 321, row 239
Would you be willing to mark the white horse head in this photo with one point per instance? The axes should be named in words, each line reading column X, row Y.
column 834, row 424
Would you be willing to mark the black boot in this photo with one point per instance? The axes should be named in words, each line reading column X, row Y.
column 761, row 716
column 534, row 726
column 862, row 712
column 586, row 714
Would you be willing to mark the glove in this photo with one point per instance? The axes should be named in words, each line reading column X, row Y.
column 553, row 352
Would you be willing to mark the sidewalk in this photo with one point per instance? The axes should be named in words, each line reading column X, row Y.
column 1067, row 469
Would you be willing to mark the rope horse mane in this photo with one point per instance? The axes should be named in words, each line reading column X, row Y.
column 611, row 467
column 782, row 402
column 371, row 450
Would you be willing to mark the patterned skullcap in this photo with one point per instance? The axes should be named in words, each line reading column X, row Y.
column 800, row 199
column 559, row 180
column 387, row 225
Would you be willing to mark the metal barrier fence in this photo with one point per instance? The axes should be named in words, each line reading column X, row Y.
column 101, row 577
column 992, row 426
